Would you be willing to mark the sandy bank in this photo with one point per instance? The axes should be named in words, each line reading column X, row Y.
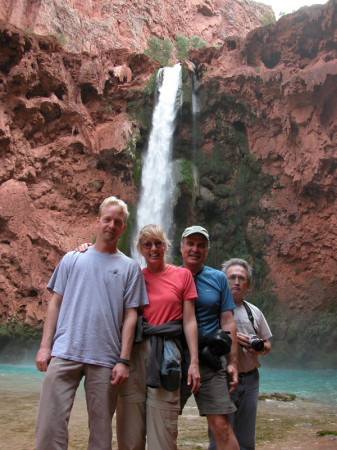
column 281, row 426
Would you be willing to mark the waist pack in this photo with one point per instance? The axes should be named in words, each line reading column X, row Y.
column 214, row 345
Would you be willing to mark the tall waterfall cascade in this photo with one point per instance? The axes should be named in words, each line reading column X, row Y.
column 195, row 109
column 156, row 201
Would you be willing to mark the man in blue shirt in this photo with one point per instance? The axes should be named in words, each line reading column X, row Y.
column 214, row 309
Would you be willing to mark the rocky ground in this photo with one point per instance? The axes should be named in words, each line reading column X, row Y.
column 281, row 425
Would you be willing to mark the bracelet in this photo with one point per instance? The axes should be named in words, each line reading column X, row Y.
column 124, row 361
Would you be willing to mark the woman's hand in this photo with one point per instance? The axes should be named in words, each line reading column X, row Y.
column 83, row 247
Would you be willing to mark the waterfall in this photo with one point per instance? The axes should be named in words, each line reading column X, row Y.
column 156, row 205
column 195, row 109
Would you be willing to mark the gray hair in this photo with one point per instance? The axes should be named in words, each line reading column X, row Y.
column 238, row 262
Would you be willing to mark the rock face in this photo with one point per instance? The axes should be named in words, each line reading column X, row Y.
column 94, row 26
column 72, row 131
column 66, row 143
column 278, row 88
column 287, row 74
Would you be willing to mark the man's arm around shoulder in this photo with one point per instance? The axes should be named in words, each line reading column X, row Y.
column 44, row 354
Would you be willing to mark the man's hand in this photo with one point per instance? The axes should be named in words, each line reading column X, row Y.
column 233, row 372
column 42, row 359
column 193, row 377
column 243, row 340
column 120, row 374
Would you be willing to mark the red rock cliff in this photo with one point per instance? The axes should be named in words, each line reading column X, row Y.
column 287, row 73
column 97, row 25
column 67, row 140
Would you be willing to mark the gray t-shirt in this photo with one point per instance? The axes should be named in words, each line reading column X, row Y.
column 96, row 287
column 247, row 361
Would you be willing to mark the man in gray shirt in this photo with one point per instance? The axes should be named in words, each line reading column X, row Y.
column 88, row 332
column 253, row 335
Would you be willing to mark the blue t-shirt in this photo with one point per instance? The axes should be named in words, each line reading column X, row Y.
column 214, row 297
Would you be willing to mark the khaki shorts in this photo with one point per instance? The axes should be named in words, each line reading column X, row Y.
column 212, row 396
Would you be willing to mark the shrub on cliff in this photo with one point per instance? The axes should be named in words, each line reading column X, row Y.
column 268, row 18
column 160, row 50
column 183, row 45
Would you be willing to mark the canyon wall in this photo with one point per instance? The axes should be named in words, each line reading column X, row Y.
column 272, row 97
column 73, row 128
column 98, row 25
column 66, row 142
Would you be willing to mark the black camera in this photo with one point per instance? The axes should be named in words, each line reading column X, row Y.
column 256, row 344
column 214, row 345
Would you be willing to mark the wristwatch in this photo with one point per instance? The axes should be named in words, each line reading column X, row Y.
column 124, row 361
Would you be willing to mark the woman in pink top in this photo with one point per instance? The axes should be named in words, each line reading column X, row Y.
column 144, row 410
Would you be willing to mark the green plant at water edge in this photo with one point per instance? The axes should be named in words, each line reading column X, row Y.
column 160, row 49
column 18, row 329
column 281, row 397
column 326, row 433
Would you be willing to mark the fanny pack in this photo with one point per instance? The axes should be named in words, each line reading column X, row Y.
column 214, row 345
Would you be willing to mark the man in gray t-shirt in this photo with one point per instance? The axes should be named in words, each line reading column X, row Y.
column 253, row 335
column 88, row 332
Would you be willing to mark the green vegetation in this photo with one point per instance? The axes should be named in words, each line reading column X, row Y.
column 268, row 18
column 61, row 38
column 326, row 433
column 108, row 107
column 159, row 49
column 18, row 340
column 281, row 397
column 151, row 84
column 197, row 42
column 187, row 172
column 162, row 49
column 124, row 243
column 18, row 329
column 183, row 45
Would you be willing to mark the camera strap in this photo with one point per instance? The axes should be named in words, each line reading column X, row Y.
column 250, row 315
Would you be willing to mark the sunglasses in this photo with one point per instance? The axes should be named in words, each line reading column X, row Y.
column 157, row 244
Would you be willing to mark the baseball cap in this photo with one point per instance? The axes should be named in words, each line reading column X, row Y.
column 195, row 229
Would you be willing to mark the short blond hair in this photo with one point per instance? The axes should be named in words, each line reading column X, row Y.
column 151, row 231
column 114, row 201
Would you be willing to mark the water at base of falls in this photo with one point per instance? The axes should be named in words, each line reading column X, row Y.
column 155, row 205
